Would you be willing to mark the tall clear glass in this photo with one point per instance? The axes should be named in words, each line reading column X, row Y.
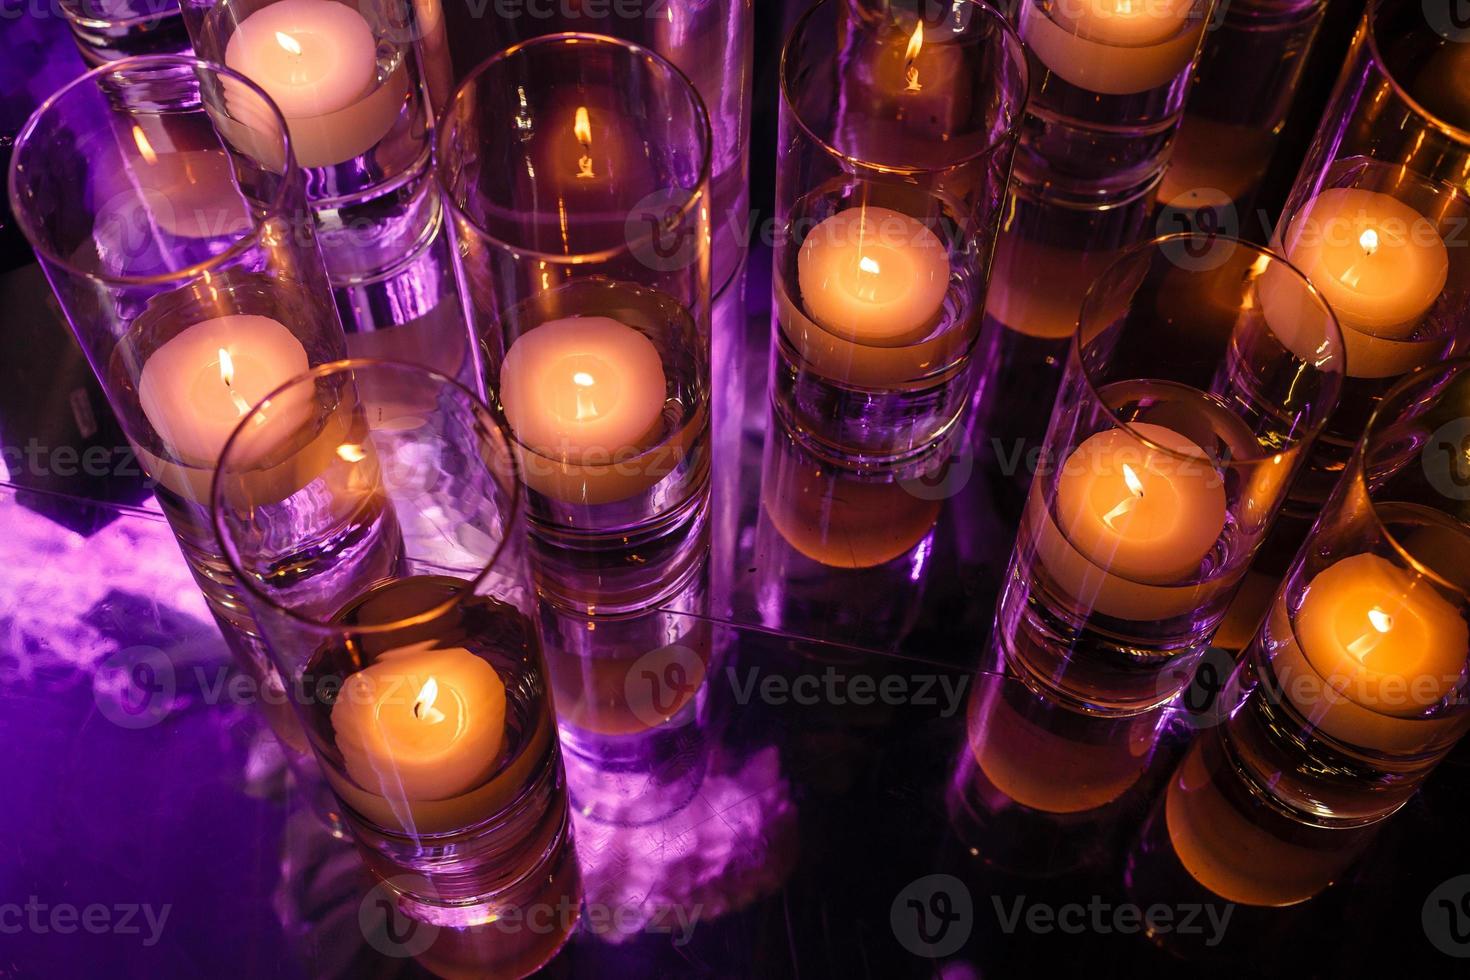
column 388, row 574
column 583, row 224
column 898, row 136
column 163, row 201
column 1109, row 82
column 1378, row 221
column 710, row 41
column 1244, row 84
column 1354, row 687
column 1182, row 417
column 107, row 30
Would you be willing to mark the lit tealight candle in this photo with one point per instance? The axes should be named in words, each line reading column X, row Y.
column 421, row 724
column 583, row 388
column 1381, row 637
column 318, row 61
column 1378, row 263
column 1114, row 47
column 1140, row 512
column 873, row 276
column 196, row 387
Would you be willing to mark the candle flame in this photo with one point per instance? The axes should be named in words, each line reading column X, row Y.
column 423, row 705
column 1369, row 240
column 1381, row 620
column 351, row 452
column 582, row 129
column 870, row 266
column 1126, row 505
column 583, row 380
column 227, row 375
column 288, row 42
column 911, row 71
column 1131, row 478
column 144, row 147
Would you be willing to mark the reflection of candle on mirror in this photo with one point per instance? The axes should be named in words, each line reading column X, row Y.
column 421, row 723
column 1382, row 637
column 318, row 61
column 1144, row 513
column 1377, row 262
column 1114, row 47
column 583, row 388
column 873, row 276
column 196, row 387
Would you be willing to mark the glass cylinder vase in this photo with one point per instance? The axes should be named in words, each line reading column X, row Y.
column 165, row 206
column 1109, row 82
column 583, row 223
column 107, row 30
column 710, row 41
column 1377, row 220
column 1181, row 419
column 898, row 140
column 392, row 588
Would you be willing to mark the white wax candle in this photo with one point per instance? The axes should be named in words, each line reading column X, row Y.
column 318, row 61
column 1378, row 263
column 873, row 276
column 1138, row 511
column 197, row 386
column 1382, row 637
column 421, row 724
column 1113, row 47
column 583, row 388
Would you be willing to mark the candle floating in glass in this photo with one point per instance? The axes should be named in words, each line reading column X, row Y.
column 340, row 74
column 587, row 264
column 888, row 203
column 1355, row 682
column 1181, row 419
column 1376, row 220
column 1111, row 77
column 412, row 657
column 188, row 270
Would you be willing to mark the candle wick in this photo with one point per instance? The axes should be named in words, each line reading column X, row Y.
column 1122, row 510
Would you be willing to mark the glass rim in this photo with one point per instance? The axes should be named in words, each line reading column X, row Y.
column 1014, row 45
column 1404, row 388
column 704, row 133
column 347, row 366
column 1370, row 28
column 247, row 239
column 1155, row 245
